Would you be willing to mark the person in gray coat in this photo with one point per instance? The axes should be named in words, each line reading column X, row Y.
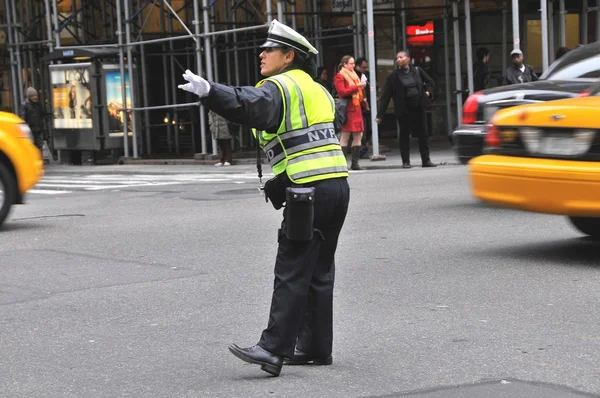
column 32, row 112
column 220, row 131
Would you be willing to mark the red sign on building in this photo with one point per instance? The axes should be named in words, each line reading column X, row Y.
column 420, row 35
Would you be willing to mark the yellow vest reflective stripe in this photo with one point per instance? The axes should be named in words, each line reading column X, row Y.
column 305, row 145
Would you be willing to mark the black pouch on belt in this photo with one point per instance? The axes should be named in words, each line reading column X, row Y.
column 275, row 191
column 300, row 213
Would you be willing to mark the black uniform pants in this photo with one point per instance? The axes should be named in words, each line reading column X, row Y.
column 302, row 303
column 413, row 122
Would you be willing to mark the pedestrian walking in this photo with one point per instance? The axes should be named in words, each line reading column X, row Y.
column 349, row 86
column 363, row 74
column 411, row 89
column 219, row 128
column 519, row 72
column 292, row 119
column 32, row 112
column 481, row 71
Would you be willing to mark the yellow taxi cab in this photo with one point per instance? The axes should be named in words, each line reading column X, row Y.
column 544, row 158
column 21, row 164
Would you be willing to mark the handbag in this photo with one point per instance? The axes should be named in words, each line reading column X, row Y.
column 341, row 113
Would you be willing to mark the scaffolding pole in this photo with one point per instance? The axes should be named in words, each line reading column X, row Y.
column 17, row 42
column 123, row 86
column 294, row 16
column 280, row 11
column 372, row 77
column 355, row 24
column 551, row 50
column 584, row 22
column 504, row 36
column 597, row 20
column 515, row 24
column 208, row 57
column 457, row 63
column 563, row 30
column 359, row 28
column 55, row 22
column 544, row 20
column 175, row 119
column 131, row 81
column 317, row 24
column 447, row 69
column 48, row 25
column 269, row 10
column 469, row 45
column 236, row 61
column 11, row 52
column 215, row 57
column 199, row 68
column 403, row 19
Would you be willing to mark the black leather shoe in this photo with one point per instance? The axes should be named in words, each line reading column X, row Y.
column 301, row 358
column 429, row 163
column 406, row 165
column 257, row 355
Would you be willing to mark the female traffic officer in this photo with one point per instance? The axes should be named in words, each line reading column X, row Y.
column 292, row 117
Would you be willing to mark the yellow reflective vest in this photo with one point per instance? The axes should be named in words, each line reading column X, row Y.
column 305, row 145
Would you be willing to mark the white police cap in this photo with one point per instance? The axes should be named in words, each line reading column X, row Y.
column 282, row 35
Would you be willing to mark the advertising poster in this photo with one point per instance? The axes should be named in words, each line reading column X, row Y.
column 114, row 100
column 71, row 102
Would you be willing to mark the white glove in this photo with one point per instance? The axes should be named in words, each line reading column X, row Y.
column 196, row 85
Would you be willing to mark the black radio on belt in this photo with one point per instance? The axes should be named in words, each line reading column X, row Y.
column 299, row 212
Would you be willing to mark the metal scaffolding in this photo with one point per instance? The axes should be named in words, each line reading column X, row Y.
column 219, row 38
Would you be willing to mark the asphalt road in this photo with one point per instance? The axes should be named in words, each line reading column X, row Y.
column 137, row 290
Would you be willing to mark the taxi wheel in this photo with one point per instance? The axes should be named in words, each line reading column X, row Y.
column 8, row 192
column 588, row 225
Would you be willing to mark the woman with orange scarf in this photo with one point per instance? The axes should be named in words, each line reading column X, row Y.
column 348, row 85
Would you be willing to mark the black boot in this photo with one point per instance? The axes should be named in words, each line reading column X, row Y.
column 355, row 157
column 345, row 151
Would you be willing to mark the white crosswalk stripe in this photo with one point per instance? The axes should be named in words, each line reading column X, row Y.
column 68, row 183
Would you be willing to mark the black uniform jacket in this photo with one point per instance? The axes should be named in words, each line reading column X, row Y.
column 260, row 108
column 394, row 89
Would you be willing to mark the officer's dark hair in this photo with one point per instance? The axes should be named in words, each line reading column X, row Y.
column 303, row 61
column 481, row 53
column 360, row 60
column 343, row 61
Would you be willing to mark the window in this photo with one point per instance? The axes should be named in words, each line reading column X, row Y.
column 533, row 52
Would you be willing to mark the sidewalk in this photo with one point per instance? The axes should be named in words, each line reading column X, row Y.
column 441, row 154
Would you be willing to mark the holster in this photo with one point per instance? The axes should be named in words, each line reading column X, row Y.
column 299, row 213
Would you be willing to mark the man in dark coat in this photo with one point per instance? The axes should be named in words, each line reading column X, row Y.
column 32, row 113
column 519, row 72
column 411, row 89
column 481, row 72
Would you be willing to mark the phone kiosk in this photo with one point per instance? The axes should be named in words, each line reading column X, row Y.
column 86, row 99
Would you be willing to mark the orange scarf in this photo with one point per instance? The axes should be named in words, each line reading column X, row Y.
column 353, row 80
